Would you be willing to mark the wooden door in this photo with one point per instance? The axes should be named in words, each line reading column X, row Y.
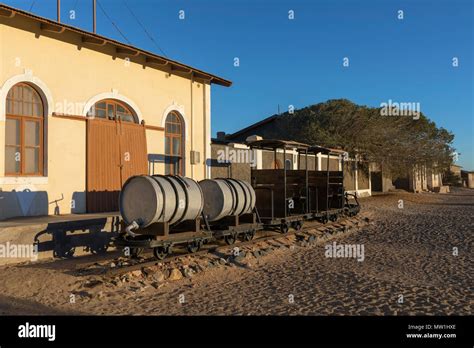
column 133, row 150
column 115, row 151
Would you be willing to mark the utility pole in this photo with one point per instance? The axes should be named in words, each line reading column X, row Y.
column 93, row 15
column 59, row 11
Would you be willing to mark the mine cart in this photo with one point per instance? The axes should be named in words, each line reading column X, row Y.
column 161, row 237
column 229, row 208
column 325, row 187
column 282, row 192
column 327, row 199
column 161, row 211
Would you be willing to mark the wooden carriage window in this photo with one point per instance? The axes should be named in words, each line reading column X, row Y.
column 174, row 144
column 113, row 110
column 24, row 132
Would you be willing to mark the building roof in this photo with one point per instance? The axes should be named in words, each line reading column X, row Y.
column 271, row 144
column 325, row 150
column 252, row 126
column 93, row 39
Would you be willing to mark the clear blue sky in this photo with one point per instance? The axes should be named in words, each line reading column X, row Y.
column 299, row 62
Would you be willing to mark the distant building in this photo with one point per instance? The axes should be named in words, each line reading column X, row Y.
column 420, row 178
column 381, row 181
column 455, row 174
column 467, row 178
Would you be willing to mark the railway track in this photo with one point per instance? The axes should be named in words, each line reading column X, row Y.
column 149, row 260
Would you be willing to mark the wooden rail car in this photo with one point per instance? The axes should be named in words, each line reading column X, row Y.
column 162, row 237
column 326, row 187
column 193, row 234
column 282, row 193
column 287, row 197
column 235, row 227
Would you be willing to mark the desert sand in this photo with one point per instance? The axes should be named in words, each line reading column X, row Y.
column 418, row 260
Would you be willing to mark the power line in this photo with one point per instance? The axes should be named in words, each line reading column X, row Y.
column 144, row 29
column 113, row 23
column 32, row 4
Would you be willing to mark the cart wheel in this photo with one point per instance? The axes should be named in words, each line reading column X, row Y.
column 229, row 239
column 284, row 228
column 99, row 249
column 297, row 225
column 160, row 252
column 249, row 236
column 193, row 247
column 65, row 252
column 135, row 252
column 333, row 218
column 324, row 219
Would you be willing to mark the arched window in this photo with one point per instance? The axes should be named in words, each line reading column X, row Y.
column 24, row 131
column 174, row 144
column 113, row 110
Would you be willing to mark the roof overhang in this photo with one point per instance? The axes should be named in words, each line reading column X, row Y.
column 88, row 38
column 273, row 144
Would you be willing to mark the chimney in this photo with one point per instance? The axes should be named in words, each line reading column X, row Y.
column 221, row 135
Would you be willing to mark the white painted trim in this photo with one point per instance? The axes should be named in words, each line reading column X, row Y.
column 24, row 180
column 356, row 177
column 239, row 146
column 361, row 193
column 370, row 181
column 259, row 156
column 288, row 152
column 112, row 95
column 180, row 109
column 27, row 77
column 206, row 91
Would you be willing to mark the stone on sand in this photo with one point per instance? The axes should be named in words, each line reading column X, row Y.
column 175, row 274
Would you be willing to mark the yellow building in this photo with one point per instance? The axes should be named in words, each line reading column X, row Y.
column 80, row 113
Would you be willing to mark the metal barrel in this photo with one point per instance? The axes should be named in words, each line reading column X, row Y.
column 224, row 197
column 160, row 198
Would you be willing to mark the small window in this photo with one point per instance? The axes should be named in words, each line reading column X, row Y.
column 112, row 110
column 174, row 146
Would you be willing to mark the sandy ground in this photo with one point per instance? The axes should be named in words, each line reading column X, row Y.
column 410, row 267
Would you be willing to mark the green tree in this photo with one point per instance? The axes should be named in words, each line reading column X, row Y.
column 396, row 142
